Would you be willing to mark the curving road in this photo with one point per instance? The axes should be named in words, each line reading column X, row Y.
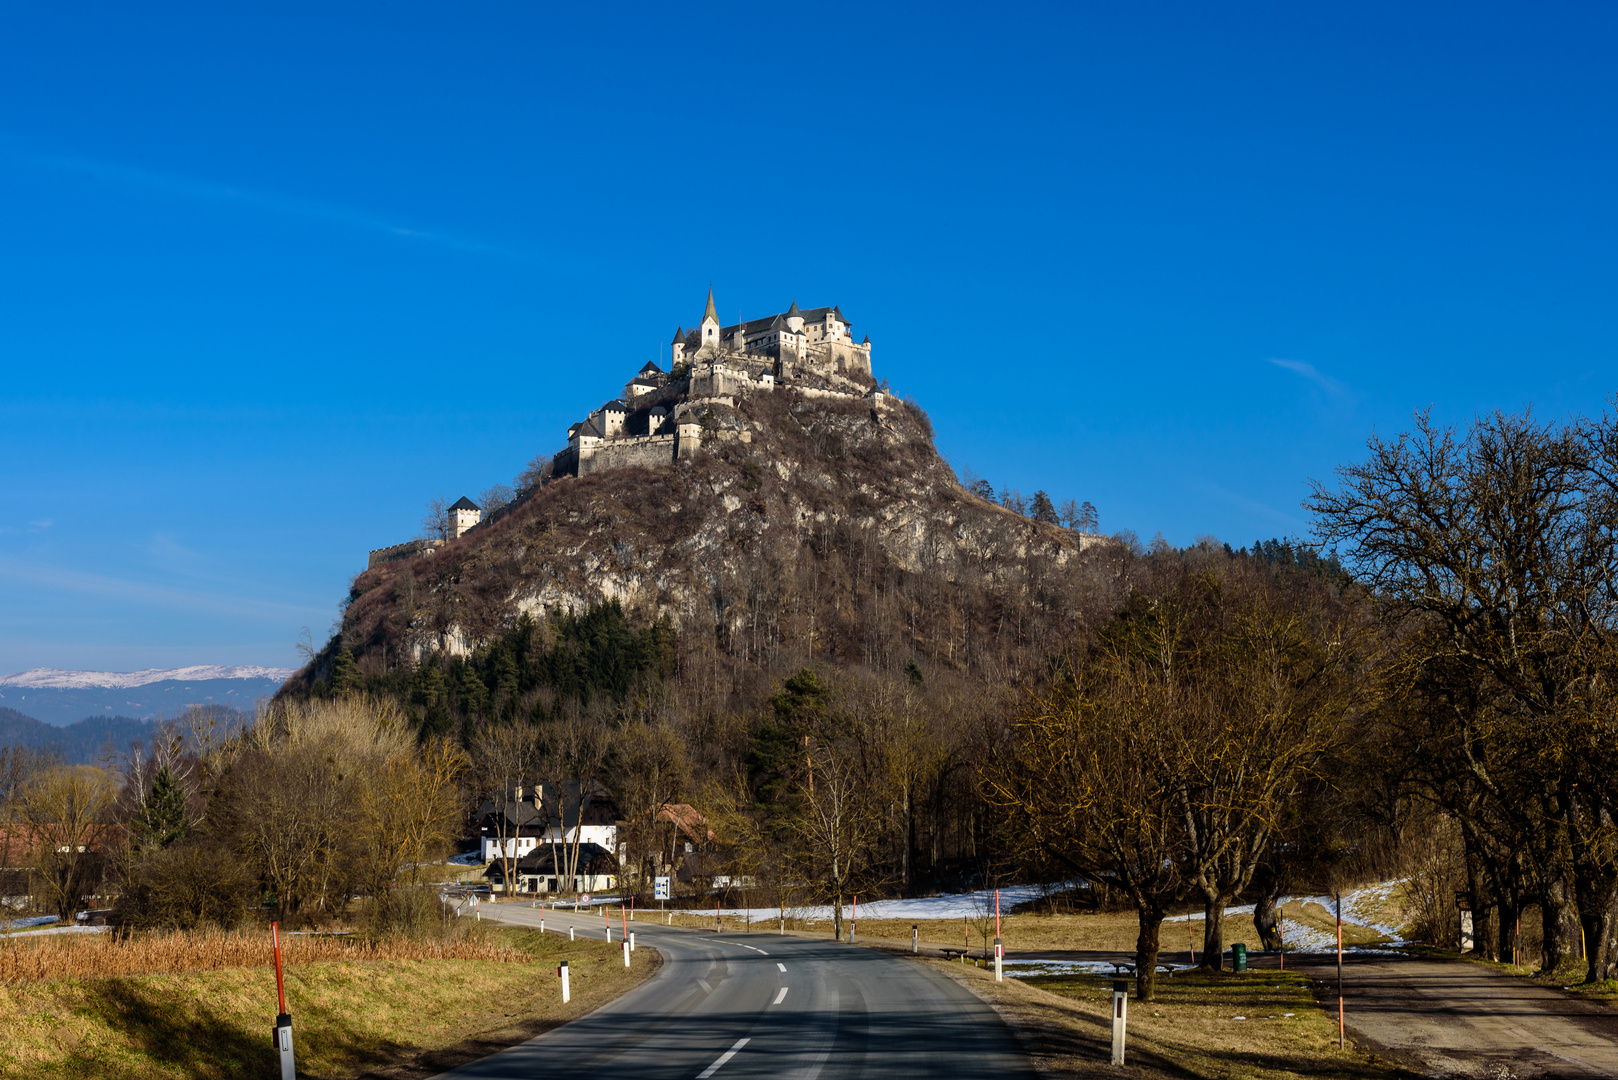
column 728, row 1006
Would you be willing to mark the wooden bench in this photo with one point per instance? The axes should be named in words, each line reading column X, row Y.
column 951, row 954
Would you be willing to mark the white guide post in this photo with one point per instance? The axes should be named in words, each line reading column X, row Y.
column 999, row 957
column 632, row 941
column 626, row 954
column 915, row 933
column 570, row 933
column 567, row 990
column 1120, row 1016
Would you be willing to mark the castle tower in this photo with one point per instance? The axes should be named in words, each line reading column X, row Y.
column 677, row 347
column 462, row 516
column 794, row 318
column 710, row 325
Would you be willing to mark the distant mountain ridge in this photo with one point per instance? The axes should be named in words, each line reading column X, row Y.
column 58, row 679
column 62, row 697
column 85, row 741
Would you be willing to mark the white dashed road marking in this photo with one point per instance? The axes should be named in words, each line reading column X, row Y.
column 726, row 1056
column 780, row 965
column 782, row 996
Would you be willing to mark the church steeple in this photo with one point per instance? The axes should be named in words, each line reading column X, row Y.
column 710, row 324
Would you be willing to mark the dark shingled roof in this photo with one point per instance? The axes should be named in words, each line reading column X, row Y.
column 466, row 504
column 653, row 369
column 771, row 322
column 679, row 336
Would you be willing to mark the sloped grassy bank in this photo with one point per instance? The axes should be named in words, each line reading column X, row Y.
column 384, row 1017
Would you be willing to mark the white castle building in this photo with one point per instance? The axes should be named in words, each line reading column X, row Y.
column 654, row 422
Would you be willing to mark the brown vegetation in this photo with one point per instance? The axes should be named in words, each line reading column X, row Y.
column 88, row 956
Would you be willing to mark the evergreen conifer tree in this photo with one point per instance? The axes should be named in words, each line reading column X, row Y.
column 345, row 674
column 162, row 818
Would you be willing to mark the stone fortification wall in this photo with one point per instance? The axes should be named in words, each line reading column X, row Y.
column 407, row 550
column 648, row 450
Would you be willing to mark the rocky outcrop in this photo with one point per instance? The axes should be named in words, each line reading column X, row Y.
column 822, row 527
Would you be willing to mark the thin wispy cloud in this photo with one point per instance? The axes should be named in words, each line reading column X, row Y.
column 111, row 588
column 1290, row 522
column 1298, row 367
column 177, row 185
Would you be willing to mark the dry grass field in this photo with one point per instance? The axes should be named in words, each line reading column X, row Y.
column 1263, row 1025
column 382, row 1012
column 81, row 956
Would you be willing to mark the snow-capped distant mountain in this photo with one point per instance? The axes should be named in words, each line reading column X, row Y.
column 65, row 697
column 56, row 679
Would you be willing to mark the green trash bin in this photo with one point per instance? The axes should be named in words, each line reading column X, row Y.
column 1238, row 953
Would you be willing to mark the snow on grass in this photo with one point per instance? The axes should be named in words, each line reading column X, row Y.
column 60, row 930
column 1022, row 968
column 972, row 905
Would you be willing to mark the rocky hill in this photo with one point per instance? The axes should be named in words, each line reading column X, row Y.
column 808, row 528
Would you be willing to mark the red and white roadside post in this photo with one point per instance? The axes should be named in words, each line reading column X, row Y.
column 282, row 1035
column 999, row 949
column 915, row 933
column 1341, row 1039
column 1120, row 1017
column 567, row 990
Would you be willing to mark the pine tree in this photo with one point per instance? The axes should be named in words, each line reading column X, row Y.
column 1043, row 509
column 345, row 674
column 162, row 818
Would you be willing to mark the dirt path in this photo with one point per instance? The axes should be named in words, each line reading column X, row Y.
column 1455, row 1019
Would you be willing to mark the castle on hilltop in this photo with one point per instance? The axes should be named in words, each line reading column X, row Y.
column 656, row 421
column 664, row 416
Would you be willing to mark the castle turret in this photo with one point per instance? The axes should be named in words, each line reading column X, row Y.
column 794, row 318
column 677, row 347
column 462, row 516
column 710, row 324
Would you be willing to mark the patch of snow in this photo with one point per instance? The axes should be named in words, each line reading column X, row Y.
column 1072, row 967
column 972, row 905
column 20, row 924
column 467, row 858
column 62, row 930
column 1245, row 909
column 57, row 679
column 1361, row 908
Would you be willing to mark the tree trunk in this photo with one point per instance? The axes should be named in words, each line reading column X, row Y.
column 837, row 917
column 1266, row 917
column 1601, row 941
column 1213, row 934
column 1146, row 948
column 1559, row 917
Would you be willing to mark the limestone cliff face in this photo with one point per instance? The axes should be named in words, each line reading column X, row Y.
column 807, row 528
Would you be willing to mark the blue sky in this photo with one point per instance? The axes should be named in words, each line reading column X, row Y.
column 275, row 276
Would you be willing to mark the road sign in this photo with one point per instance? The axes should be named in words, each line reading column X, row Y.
column 660, row 888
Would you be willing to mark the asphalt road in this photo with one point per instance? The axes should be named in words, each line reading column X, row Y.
column 1452, row 1018
column 728, row 1006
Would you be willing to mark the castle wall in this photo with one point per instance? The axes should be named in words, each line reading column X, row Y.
column 648, row 450
column 399, row 552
